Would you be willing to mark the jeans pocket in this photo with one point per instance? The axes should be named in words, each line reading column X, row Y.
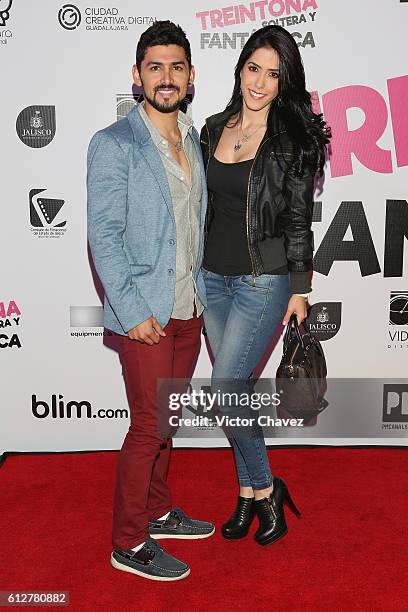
column 257, row 283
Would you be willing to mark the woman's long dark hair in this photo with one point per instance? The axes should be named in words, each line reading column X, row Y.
column 307, row 130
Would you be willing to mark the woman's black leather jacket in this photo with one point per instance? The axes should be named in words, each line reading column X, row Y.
column 279, row 203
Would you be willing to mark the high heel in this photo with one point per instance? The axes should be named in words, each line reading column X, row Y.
column 291, row 504
column 238, row 525
column 271, row 514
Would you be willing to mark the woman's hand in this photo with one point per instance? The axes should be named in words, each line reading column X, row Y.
column 297, row 305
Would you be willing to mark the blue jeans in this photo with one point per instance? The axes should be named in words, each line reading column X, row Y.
column 240, row 321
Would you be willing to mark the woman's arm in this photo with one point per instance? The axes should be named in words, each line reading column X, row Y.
column 297, row 227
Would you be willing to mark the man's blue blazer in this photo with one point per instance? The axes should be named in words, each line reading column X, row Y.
column 131, row 227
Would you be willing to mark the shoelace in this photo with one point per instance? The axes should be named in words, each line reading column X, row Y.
column 154, row 547
column 178, row 513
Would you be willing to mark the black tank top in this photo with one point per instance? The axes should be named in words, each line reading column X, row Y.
column 227, row 245
column 227, row 250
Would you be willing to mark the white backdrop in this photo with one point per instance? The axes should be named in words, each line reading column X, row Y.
column 76, row 62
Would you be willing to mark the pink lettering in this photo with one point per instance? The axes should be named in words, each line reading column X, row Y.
column 398, row 95
column 261, row 5
column 12, row 308
column 293, row 4
column 203, row 16
column 315, row 102
column 228, row 14
column 247, row 13
column 276, row 12
column 363, row 141
column 309, row 4
column 252, row 11
column 216, row 18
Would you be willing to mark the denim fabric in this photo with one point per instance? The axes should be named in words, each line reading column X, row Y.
column 240, row 320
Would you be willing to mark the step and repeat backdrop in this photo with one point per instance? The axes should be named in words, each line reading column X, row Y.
column 65, row 73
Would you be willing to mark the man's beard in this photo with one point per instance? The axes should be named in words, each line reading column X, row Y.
column 163, row 108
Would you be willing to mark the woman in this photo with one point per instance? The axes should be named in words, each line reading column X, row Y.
column 262, row 154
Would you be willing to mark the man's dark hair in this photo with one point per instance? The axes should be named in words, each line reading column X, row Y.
column 162, row 33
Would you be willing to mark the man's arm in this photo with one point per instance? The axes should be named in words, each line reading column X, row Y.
column 107, row 204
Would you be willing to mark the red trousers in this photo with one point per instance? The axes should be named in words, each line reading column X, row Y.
column 142, row 492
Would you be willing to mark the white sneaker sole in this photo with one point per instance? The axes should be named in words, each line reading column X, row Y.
column 125, row 568
column 164, row 536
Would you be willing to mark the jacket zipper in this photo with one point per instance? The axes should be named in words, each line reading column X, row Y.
column 206, row 176
column 247, row 212
column 209, row 148
column 248, row 193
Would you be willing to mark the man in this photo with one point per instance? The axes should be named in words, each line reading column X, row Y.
column 146, row 210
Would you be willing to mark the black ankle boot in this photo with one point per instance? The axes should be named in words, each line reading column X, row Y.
column 239, row 523
column 271, row 515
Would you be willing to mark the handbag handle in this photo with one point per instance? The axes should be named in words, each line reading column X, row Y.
column 292, row 325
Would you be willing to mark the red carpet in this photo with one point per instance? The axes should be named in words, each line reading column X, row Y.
column 348, row 552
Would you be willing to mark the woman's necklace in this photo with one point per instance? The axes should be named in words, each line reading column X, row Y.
column 245, row 137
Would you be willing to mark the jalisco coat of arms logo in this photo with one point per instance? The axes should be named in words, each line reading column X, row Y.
column 323, row 315
column 36, row 121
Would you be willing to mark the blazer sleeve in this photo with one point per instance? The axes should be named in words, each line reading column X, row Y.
column 107, row 210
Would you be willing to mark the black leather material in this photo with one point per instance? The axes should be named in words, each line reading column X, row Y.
column 238, row 525
column 178, row 524
column 279, row 203
column 144, row 556
column 271, row 514
column 301, row 375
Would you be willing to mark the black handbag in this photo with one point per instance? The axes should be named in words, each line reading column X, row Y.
column 301, row 376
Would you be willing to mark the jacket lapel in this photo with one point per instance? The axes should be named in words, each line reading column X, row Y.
column 147, row 148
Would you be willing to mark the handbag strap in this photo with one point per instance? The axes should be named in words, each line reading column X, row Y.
column 292, row 326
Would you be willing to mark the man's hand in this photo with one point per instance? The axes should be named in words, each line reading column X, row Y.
column 148, row 332
column 297, row 305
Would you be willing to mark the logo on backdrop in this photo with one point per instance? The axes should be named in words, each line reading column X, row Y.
column 399, row 308
column 69, row 16
column 59, row 408
column 45, row 217
column 395, row 406
column 398, row 317
column 10, row 317
column 5, row 33
column 5, row 6
column 125, row 103
column 324, row 319
column 81, row 318
column 36, row 126
column 214, row 21
column 99, row 18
